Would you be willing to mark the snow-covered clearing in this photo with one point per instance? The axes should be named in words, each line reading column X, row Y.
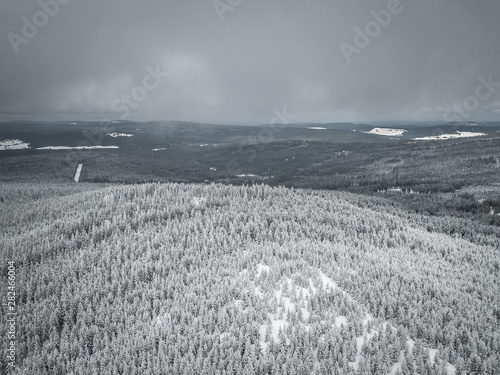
column 56, row 148
column 78, row 171
column 115, row 135
column 293, row 298
column 388, row 132
column 458, row 134
column 13, row 144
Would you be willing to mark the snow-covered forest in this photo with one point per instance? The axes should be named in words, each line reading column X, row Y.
column 213, row 279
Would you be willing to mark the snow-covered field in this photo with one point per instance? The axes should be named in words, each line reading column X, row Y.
column 115, row 135
column 13, row 144
column 76, row 147
column 458, row 134
column 78, row 171
column 388, row 132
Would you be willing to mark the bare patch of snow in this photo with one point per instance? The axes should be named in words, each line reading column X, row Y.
column 115, row 135
column 327, row 282
column 198, row 201
column 56, row 148
column 340, row 320
column 261, row 268
column 456, row 135
column 13, row 144
column 78, row 171
column 388, row 132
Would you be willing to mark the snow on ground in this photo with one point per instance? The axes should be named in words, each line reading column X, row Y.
column 76, row 147
column 283, row 296
column 316, row 128
column 246, row 175
column 327, row 282
column 158, row 149
column 115, row 135
column 432, row 355
column 388, row 132
column 260, row 268
column 458, row 134
column 340, row 320
column 213, row 169
column 198, row 201
column 13, row 144
column 360, row 340
column 78, row 171
column 290, row 297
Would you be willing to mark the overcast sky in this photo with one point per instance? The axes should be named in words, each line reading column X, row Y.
column 243, row 63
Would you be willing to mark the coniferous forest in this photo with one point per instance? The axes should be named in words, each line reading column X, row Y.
column 213, row 279
column 245, row 187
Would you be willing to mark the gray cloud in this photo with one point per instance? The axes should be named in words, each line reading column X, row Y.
column 263, row 55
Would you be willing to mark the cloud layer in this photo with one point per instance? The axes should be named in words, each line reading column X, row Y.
column 237, row 60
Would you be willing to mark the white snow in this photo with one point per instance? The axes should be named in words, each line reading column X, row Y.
column 76, row 147
column 213, row 169
column 276, row 326
column 159, row 149
column 360, row 341
column 246, row 175
column 388, row 132
column 292, row 297
column 198, row 201
column 432, row 355
column 260, row 268
column 327, row 282
column 13, row 144
column 450, row 369
column 316, row 128
column 115, row 135
column 78, row 171
column 340, row 320
column 456, row 135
